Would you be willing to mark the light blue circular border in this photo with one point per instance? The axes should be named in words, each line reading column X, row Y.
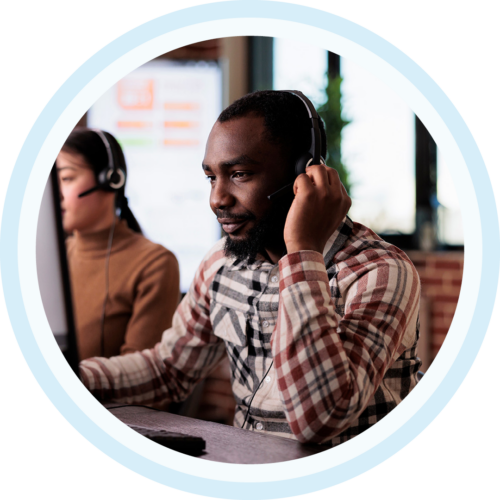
column 263, row 10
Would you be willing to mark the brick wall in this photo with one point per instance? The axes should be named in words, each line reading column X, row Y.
column 441, row 279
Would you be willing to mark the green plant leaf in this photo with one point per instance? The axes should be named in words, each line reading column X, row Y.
column 331, row 113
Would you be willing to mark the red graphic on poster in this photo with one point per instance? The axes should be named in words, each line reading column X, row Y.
column 135, row 94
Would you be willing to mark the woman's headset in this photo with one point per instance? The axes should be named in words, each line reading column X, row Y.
column 110, row 178
column 311, row 157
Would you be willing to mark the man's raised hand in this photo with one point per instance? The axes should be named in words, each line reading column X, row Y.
column 321, row 203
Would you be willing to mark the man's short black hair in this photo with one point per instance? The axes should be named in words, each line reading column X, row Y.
column 285, row 116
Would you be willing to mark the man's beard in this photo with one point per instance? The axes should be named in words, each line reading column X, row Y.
column 267, row 232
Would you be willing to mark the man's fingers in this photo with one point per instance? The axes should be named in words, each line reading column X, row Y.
column 346, row 199
column 333, row 177
column 335, row 182
column 318, row 174
column 322, row 180
column 338, row 189
column 303, row 183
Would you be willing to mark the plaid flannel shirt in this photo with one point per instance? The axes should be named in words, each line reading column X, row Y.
column 331, row 339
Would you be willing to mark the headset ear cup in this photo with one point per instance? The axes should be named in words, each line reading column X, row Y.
column 116, row 179
column 102, row 179
column 110, row 179
column 301, row 163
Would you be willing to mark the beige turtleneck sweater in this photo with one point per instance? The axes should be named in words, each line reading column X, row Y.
column 143, row 291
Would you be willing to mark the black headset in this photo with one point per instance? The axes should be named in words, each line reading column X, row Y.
column 110, row 178
column 311, row 157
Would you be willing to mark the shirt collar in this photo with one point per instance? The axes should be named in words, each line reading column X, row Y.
column 234, row 264
column 333, row 245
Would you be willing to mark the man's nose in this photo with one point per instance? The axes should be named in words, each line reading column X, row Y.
column 221, row 196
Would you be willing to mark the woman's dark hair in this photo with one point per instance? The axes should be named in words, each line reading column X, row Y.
column 87, row 143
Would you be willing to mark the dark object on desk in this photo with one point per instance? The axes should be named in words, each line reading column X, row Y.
column 223, row 443
column 183, row 443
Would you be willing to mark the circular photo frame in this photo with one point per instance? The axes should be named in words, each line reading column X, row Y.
column 257, row 18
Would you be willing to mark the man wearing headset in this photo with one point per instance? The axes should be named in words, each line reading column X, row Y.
column 318, row 315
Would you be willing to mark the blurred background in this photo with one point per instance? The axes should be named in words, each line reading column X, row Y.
column 162, row 113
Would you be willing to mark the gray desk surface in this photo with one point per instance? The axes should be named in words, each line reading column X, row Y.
column 223, row 443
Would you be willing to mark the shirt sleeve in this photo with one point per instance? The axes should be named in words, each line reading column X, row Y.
column 329, row 366
column 169, row 371
column 156, row 298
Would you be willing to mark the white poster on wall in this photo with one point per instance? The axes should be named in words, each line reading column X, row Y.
column 161, row 114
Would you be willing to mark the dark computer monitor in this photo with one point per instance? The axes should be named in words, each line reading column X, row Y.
column 53, row 274
column 55, row 289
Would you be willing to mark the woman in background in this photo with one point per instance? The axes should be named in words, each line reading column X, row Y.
column 125, row 288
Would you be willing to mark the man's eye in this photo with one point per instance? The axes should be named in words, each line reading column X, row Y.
column 241, row 175
column 66, row 179
column 210, row 178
